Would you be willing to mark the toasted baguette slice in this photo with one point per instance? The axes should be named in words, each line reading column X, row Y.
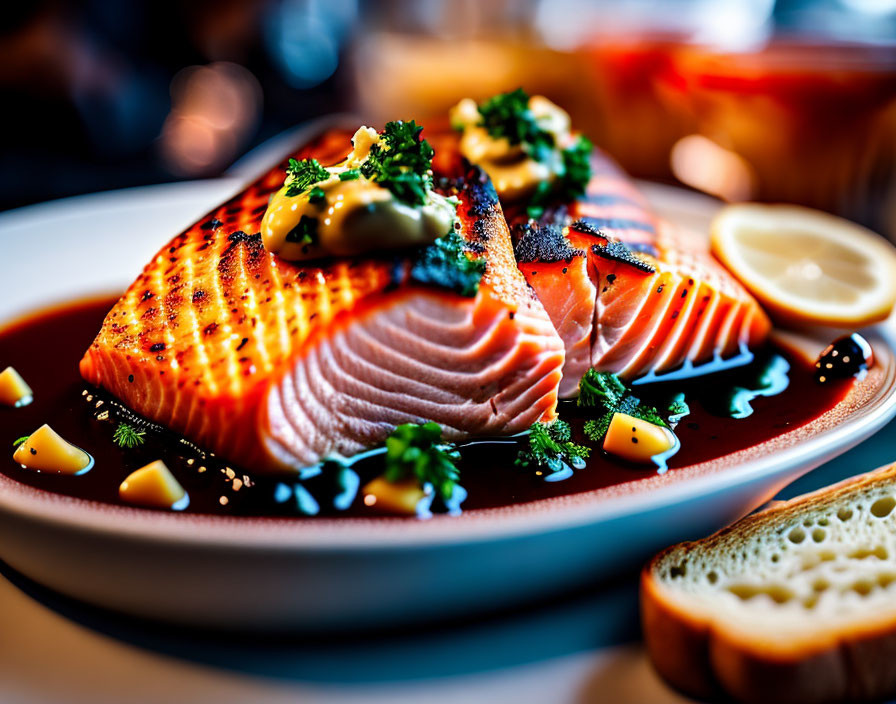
column 796, row 603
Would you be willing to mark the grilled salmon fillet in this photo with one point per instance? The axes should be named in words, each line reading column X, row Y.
column 630, row 294
column 278, row 365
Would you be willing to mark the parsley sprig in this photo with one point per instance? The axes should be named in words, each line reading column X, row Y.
column 550, row 446
column 417, row 451
column 305, row 174
column 128, row 437
column 401, row 161
column 608, row 394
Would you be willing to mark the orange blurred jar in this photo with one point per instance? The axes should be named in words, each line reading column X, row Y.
column 816, row 123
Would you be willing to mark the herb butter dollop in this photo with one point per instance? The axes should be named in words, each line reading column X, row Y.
column 379, row 197
column 526, row 146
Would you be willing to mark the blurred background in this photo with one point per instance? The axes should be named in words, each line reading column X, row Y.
column 781, row 100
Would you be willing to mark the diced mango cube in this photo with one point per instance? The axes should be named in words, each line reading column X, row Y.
column 637, row 440
column 393, row 497
column 46, row 451
column 14, row 391
column 152, row 486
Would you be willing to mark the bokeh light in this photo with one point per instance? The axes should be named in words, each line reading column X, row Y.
column 213, row 110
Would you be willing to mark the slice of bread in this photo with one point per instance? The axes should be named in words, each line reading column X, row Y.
column 795, row 603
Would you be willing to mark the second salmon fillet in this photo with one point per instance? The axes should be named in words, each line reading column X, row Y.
column 631, row 294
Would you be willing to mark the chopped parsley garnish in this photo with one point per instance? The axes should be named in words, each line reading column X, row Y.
column 350, row 175
column 446, row 263
column 550, row 447
column 417, row 451
column 598, row 389
column 304, row 174
column 608, row 394
column 576, row 168
column 572, row 178
column 401, row 162
column 305, row 232
column 508, row 115
column 128, row 437
column 19, row 441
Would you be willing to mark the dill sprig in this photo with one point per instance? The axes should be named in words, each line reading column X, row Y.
column 128, row 437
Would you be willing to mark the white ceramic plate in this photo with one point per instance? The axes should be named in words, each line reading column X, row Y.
column 270, row 574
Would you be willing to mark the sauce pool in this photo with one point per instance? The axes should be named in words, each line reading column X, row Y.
column 46, row 349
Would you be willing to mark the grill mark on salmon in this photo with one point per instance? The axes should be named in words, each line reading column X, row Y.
column 277, row 365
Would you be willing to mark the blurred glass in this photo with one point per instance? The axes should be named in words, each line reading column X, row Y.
column 785, row 101
column 815, row 122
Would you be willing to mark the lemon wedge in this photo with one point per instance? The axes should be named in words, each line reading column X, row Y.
column 805, row 266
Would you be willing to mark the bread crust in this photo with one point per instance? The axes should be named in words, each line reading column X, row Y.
column 708, row 659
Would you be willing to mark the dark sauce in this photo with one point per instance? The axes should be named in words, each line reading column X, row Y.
column 46, row 349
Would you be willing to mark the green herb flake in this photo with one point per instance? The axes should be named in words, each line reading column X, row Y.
column 128, row 437
column 608, row 395
column 576, row 168
column 601, row 389
column 677, row 408
column 447, row 264
column 571, row 182
column 350, row 175
column 417, row 451
column 19, row 441
column 304, row 175
column 508, row 115
column 305, row 232
column 401, row 162
column 317, row 195
column 550, row 447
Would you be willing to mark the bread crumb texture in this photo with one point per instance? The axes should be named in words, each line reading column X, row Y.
column 832, row 557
